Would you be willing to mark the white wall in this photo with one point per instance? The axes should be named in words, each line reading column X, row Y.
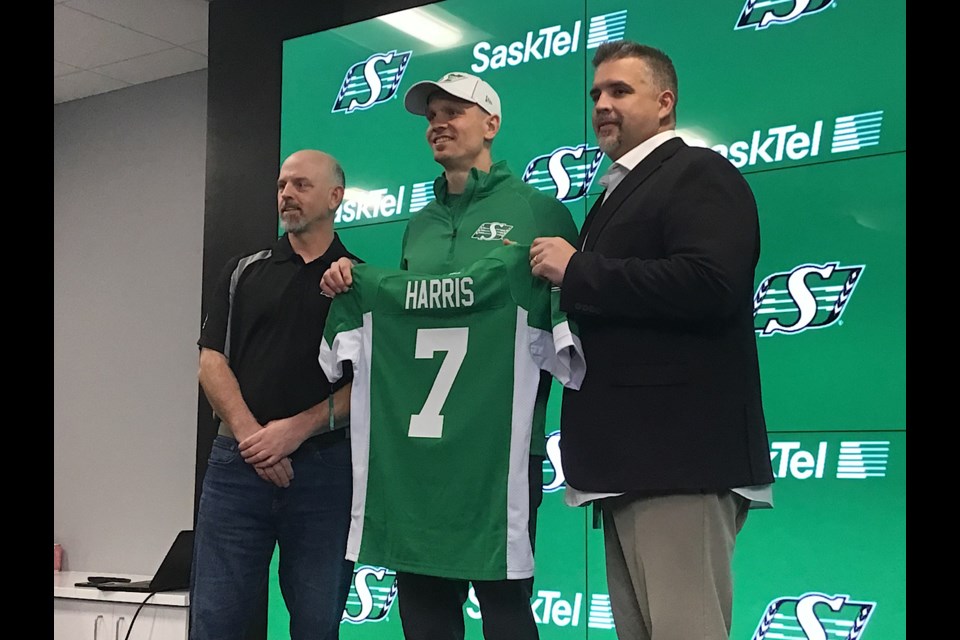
column 129, row 175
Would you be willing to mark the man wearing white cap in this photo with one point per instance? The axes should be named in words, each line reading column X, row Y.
column 478, row 205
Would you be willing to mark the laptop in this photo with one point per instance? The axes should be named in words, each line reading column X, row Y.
column 173, row 574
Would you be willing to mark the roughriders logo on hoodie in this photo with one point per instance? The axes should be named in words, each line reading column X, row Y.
column 492, row 231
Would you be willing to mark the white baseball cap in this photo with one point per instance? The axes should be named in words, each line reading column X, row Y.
column 458, row 84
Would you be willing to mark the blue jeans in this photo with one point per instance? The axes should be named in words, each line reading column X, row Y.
column 241, row 519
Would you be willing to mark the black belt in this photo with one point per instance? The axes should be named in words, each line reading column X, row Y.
column 327, row 438
column 324, row 439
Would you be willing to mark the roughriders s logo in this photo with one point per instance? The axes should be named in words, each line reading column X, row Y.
column 759, row 14
column 566, row 173
column 492, row 231
column 819, row 617
column 371, row 82
column 371, row 595
column 553, row 479
column 798, row 302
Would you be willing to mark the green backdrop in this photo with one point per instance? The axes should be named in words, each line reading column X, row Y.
column 808, row 100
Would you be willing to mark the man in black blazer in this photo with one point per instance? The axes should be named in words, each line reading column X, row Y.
column 667, row 430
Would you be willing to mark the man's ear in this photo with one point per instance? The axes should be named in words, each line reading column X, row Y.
column 336, row 197
column 668, row 101
column 491, row 127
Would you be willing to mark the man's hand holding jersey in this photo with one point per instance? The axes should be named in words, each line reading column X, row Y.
column 549, row 258
column 337, row 278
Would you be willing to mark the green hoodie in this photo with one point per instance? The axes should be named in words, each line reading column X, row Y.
column 454, row 231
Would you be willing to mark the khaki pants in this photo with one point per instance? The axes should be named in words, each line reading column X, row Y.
column 669, row 564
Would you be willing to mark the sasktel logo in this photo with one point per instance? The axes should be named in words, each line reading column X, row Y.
column 850, row 133
column 565, row 173
column 818, row 617
column 809, row 296
column 368, row 205
column 760, row 14
column 371, row 82
column 556, row 608
column 548, row 42
column 361, row 206
column 372, row 593
column 855, row 460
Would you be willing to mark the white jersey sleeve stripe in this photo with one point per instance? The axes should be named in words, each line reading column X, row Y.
column 526, row 377
column 354, row 345
column 360, row 434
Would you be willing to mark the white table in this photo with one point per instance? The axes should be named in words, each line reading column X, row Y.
column 87, row 613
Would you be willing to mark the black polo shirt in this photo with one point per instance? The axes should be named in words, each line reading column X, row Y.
column 272, row 335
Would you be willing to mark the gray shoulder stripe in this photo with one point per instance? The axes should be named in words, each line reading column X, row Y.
column 234, row 279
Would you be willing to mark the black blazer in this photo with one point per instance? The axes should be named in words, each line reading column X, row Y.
column 662, row 291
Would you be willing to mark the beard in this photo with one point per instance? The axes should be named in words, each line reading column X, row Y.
column 295, row 221
column 293, row 225
column 612, row 142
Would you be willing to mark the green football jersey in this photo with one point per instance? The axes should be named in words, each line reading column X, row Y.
column 445, row 375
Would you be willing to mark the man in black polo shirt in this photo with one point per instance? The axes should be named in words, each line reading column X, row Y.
column 279, row 471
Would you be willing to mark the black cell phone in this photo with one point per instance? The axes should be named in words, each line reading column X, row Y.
column 93, row 581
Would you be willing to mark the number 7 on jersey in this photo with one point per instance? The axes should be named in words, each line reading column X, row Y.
column 429, row 422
